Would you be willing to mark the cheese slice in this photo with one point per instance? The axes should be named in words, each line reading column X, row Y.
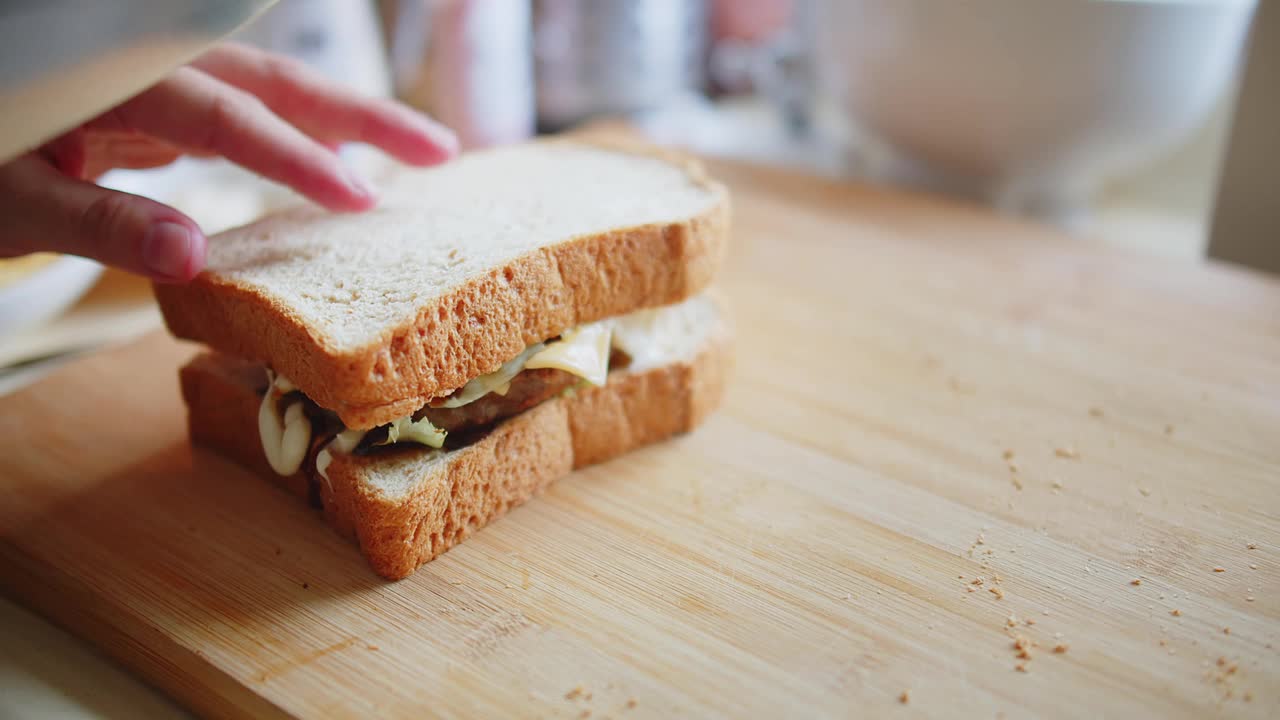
column 583, row 351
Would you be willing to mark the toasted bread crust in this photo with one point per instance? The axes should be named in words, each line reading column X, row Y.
column 462, row 491
column 471, row 330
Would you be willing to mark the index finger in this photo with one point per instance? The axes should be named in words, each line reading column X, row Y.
column 327, row 110
column 199, row 113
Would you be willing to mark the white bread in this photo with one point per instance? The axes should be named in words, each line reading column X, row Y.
column 460, row 268
column 405, row 509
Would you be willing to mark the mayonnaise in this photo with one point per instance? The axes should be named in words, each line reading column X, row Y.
column 284, row 439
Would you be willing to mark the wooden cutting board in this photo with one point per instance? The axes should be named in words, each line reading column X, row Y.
column 947, row 433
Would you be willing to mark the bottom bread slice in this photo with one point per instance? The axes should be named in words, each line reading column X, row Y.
column 406, row 508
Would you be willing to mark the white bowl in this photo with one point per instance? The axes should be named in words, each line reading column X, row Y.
column 1026, row 105
column 45, row 293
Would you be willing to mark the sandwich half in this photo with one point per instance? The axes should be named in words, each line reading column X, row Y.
column 418, row 370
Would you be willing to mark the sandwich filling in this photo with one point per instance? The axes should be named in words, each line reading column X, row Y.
column 291, row 426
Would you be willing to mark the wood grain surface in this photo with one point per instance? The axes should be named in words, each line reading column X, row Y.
column 949, row 435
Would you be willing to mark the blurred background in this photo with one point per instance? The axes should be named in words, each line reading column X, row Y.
column 1109, row 119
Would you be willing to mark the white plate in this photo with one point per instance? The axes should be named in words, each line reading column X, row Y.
column 45, row 293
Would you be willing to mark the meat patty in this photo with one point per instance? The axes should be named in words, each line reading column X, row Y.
column 528, row 388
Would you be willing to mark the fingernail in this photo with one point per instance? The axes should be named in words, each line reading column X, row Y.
column 167, row 249
column 446, row 138
column 438, row 135
column 359, row 184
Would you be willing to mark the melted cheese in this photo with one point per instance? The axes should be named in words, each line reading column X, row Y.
column 284, row 439
column 345, row 442
column 583, row 351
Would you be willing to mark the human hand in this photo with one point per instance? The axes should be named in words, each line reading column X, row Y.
column 267, row 113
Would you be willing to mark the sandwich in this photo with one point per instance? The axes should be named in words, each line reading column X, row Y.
column 416, row 371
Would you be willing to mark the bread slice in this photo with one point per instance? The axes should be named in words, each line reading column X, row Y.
column 406, row 508
column 461, row 267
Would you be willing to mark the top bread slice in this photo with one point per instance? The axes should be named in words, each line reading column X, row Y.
column 459, row 268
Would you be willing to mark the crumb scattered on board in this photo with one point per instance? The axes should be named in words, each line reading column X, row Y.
column 1175, row 612
column 1067, row 452
column 905, row 697
column 1095, row 412
column 1251, row 546
column 574, row 694
column 1060, row 648
column 1219, row 569
column 1136, row 581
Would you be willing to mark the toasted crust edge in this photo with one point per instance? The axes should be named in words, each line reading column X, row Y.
column 463, row 491
column 583, row 279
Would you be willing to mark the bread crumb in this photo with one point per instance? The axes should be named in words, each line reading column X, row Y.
column 1017, row 484
column 1069, row 453
column 631, row 702
column 1168, row 429
column 1020, row 667
column 574, row 694
column 1175, row 612
column 1007, row 455
column 1060, row 648
column 978, row 580
column 1219, row 569
column 1248, row 696
column 1136, row 581
column 997, row 592
column 1028, row 622
column 1011, row 621
column 1248, row 598
column 585, row 713
column 306, row 586
column 1251, row 546
column 905, row 697
column 1146, row 492
column 1095, row 412
column 1226, row 630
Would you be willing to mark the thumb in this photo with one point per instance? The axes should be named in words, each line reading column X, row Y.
column 45, row 210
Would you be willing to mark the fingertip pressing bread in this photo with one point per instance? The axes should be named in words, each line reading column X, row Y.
column 406, row 508
column 462, row 266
